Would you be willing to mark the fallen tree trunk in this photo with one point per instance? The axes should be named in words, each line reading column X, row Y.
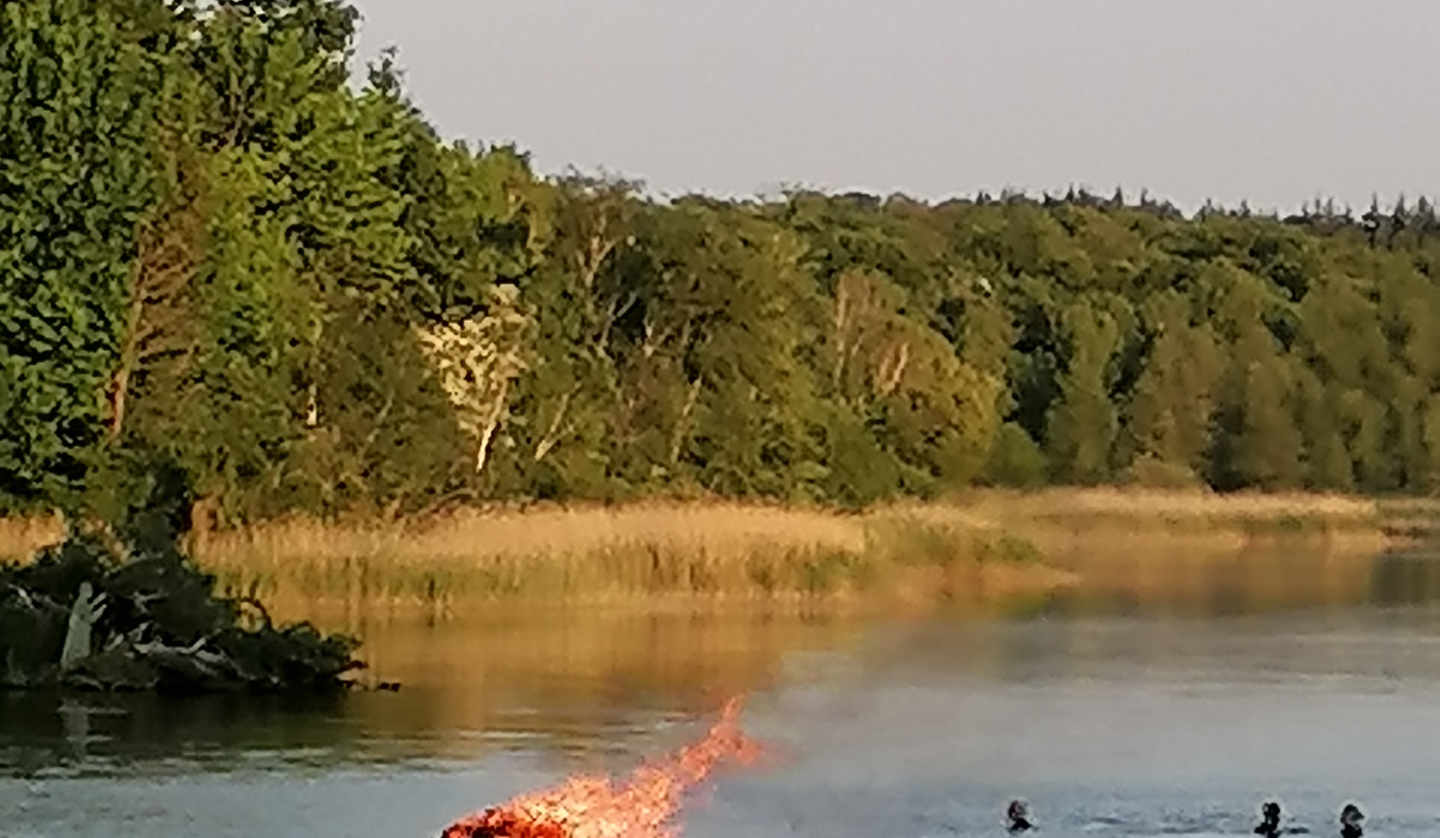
column 81, row 616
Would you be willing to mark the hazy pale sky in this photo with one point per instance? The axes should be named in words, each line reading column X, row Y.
column 1277, row 101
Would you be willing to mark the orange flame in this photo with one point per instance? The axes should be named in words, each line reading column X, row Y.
column 641, row 807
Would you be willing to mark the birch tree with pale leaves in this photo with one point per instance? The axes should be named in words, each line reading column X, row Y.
column 871, row 341
column 478, row 361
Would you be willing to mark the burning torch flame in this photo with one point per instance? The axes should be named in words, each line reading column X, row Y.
column 640, row 807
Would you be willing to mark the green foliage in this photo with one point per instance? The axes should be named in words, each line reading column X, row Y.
column 1016, row 460
column 389, row 440
column 1082, row 422
column 215, row 250
column 78, row 102
column 858, row 469
column 1170, row 409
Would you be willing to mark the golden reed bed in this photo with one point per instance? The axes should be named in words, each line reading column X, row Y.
column 659, row 550
column 978, row 543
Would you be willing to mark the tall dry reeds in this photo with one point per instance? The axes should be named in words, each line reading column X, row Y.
column 717, row 551
column 1165, row 525
column 1151, row 507
column 20, row 538
column 973, row 546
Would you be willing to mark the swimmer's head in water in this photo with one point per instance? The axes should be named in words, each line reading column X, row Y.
column 1019, row 815
column 1352, row 821
column 1269, row 820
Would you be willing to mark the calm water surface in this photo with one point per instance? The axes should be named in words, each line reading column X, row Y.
column 1166, row 697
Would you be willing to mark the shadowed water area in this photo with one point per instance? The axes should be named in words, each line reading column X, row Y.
column 1164, row 696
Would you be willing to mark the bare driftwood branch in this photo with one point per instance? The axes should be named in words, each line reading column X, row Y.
column 88, row 608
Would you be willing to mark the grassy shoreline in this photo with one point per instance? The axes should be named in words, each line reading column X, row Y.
column 977, row 545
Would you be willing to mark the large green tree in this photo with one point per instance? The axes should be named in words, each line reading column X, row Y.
column 79, row 102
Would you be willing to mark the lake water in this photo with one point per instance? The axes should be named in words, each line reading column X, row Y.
column 1165, row 697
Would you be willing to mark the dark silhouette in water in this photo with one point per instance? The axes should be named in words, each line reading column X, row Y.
column 1270, row 815
column 1352, row 821
column 1269, row 820
column 1019, row 816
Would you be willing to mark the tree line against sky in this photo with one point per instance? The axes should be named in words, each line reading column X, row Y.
column 220, row 255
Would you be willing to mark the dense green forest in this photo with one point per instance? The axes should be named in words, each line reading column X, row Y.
column 219, row 252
